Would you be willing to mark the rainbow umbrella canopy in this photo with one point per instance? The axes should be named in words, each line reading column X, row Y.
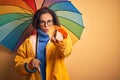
column 16, row 17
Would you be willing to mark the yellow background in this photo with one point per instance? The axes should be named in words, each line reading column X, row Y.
column 97, row 55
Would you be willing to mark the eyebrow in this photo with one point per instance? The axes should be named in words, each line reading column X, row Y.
column 47, row 20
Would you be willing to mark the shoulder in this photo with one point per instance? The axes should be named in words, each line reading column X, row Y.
column 32, row 36
column 32, row 39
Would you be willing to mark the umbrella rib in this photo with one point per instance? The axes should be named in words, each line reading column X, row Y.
column 43, row 3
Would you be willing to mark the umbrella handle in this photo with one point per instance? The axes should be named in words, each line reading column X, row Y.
column 30, row 71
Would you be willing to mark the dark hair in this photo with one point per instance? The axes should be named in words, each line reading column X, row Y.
column 35, row 21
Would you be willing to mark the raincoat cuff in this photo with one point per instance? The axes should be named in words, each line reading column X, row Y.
column 29, row 70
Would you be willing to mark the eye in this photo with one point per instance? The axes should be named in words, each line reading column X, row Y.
column 41, row 21
column 50, row 21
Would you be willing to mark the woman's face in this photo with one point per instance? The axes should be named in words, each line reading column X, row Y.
column 46, row 22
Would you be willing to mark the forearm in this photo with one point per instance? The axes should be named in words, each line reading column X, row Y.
column 64, row 47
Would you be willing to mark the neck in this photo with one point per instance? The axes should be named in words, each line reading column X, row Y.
column 42, row 36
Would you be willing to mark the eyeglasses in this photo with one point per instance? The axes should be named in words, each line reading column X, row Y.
column 49, row 23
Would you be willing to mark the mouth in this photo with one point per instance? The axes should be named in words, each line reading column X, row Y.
column 46, row 30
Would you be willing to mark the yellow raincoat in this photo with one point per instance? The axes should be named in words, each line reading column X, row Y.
column 55, row 55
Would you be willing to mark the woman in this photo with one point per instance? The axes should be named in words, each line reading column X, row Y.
column 41, row 56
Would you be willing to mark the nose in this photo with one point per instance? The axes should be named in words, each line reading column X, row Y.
column 45, row 25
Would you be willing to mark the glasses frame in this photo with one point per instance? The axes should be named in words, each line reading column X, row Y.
column 43, row 23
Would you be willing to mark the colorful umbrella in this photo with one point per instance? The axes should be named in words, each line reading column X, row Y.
column 16, row 17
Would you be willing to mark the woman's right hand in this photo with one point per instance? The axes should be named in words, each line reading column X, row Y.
column 34, row 63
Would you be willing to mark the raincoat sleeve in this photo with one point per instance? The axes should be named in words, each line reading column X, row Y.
column 22, row 57
column 63, row 48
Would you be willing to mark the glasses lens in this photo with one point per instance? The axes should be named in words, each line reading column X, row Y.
column 49, row 22
column 42, row 22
